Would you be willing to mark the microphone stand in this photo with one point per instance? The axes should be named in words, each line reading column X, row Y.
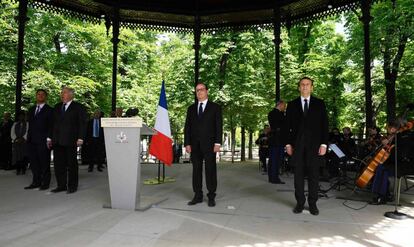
column 395, row 214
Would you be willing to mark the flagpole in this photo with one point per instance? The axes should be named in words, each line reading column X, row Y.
column 159, row 171
column 163, row 172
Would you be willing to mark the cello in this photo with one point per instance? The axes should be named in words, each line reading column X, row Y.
column 380, row 157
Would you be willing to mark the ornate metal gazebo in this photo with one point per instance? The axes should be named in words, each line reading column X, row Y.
column 197, row 17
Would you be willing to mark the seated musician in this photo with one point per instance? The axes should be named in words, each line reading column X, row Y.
column 372, row 142
column 405, row 156
column 347, row 144
column 380, row 182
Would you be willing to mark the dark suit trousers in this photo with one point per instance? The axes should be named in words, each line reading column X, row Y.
column 305, row 163
column 197, row 158
column 39, row 156
column 96, row 152
column 66, row 166
column 275, row 161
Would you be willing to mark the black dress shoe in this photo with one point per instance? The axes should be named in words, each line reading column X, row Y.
column 43, row 187
column 32, row 186
column 211, row 202
column 280, row 182
column 71, row 191
column 57, row 190
column 298, row 209
column 195, row 201
column 313, row 209
column 100, row 168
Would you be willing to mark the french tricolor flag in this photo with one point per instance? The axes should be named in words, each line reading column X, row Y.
column 161, row 142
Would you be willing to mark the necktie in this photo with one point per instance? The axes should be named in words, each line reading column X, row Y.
column 306, row 107
column 200, row 110
column 37, row 110
column 95, row 128
column 63, row 109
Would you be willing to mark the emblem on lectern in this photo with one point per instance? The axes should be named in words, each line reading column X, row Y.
column 122, row 138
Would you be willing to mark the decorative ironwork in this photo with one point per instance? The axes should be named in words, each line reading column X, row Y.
column 80, row 14
column 179, row 16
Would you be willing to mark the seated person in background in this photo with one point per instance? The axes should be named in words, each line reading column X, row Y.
column 19, row 138
column 263, row 142
column 372, row 142
column 405, row 159
column 335, row 137
column 380, row 182
column 5, row 142
column 347, row 143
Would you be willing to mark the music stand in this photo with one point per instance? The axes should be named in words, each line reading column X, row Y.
column 395, row 214
column 342, row 179
column 337, row 150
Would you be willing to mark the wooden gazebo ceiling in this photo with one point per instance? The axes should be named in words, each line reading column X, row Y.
column 181, row 15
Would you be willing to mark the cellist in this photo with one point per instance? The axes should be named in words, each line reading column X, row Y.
column 380, row 183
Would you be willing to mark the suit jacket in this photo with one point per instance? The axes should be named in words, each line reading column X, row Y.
column 89, row 131
column 39, row 124
column 206, row 130
column 276, row 120
column 93, row 149
column 5, row 129
column 70, row 126
column 314, row 126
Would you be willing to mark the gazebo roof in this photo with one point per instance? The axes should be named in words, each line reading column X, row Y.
column 182, row 15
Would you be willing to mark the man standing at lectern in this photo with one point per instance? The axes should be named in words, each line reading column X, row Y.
column 202, row 139
column 67, row 134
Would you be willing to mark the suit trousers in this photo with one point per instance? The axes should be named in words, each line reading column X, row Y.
column 39, row 157
column 95, row 152
column 305, row 162
column 275, row 161
column 209, row 158
column 66, row 166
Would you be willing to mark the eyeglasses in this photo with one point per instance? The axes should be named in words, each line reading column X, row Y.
column 200, row 90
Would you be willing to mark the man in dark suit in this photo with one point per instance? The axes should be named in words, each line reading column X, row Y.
column 276, row 119
column 6, row 142
column 94, row 147
column 307, row 130
column 203, row 137
column 68, row 133
column 40, row 123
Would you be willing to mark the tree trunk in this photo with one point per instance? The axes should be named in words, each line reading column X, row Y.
column 223, row 65
column 243, row 144
column 56, row 41
column 336, row 84
column 305, row 45
column 233, row 143
column 391, row 67
column 250, row 145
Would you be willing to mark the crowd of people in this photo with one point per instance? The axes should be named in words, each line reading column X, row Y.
column 296, row 139
column 62, row 129
column 274, row 156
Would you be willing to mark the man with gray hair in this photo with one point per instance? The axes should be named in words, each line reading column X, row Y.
column 67, row 134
